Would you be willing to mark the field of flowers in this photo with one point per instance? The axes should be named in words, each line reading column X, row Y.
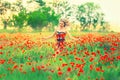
column 23, row 56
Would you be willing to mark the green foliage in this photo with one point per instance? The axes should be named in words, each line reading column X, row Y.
column 62, row 8
column 4, row 5
column 25, row 53
column 19, row 20
column 41, row 18
column 41, row 2
column 89, row 14
column 36, row 19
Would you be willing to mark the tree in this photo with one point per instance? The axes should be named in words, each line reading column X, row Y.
column 105, row 26
column 62, row 8
column 4, row 7
column 42, row 17
column 89, row 14
column 41, row 2
column 19, row 20
column 7, row 9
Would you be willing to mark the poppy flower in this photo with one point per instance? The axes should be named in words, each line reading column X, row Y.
column 69, row 69
column 60, row 73
column 33, row 69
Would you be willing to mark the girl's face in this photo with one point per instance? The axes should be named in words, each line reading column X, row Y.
column 61, row 24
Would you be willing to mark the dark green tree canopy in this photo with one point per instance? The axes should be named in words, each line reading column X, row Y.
column 42, row 17
column 41, row 2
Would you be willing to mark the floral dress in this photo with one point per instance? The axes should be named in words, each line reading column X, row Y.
column 60, row 36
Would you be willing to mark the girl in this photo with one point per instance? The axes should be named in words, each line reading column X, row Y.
column 60, row 34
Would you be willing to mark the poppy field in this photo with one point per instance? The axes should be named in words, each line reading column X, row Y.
column 23, row 56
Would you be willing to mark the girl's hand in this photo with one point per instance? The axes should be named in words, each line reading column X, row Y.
column 77, row 39
column 42, row 39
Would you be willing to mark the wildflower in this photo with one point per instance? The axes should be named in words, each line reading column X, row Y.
column 93, row 53
column 60, row 73
column 78, row 74
column 1, row 47
column 41, row 57
column 69, row 69
column 38, row 67
column 72, row 64
column 87, row 53
column 2, row 61
column 118, row 57
column 81, row 70
column 59, row 69
column 63, row 65
column 91, row 67
column 112, row 49
column 98, row 69
column 60, row 59
column 33, row 69
column 15, row 66
column 91, row 59
column 1, row 52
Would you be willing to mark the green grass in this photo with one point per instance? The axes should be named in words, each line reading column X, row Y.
column 32, row 56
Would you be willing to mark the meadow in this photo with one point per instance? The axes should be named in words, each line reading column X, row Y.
column 96, row 56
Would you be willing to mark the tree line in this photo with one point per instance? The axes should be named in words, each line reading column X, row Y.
column 88, row 14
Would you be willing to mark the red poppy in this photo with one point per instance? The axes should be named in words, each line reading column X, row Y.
column 1, row 47
column 68, row 79
column 91, row 59
column 59, row 69
column 29, row 58
column 81, row 70
column 38, row 67
column 93, row 53
column 1, row 52
column 52, row 71
column 72, row 64
column 98, row 69
column 112, row 49
column 41, row 57
column 78, row 74
column 114, row 44
column 118, row 57
column 33, row 69
column 69, row 69
column 98, row 51
column 60, row 59
column 64, row 64
column 91, row 67
column 87, row 53
column 20, row 69
column 42, row 66
column 60, row 73
column 2, row 61
column 15, row 66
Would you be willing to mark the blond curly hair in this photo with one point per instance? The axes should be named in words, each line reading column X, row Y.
column 65, row 21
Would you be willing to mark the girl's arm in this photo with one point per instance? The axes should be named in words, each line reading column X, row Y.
column 71, row 37
column 45, row 38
